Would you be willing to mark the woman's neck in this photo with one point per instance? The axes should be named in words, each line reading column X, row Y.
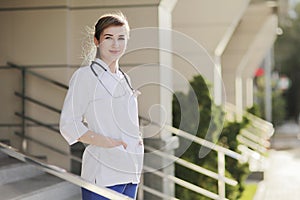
column 113, row 65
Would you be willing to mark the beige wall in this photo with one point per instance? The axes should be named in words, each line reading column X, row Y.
column 47, row 33
column 32, row 37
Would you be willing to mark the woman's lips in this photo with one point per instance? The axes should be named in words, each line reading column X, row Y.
column 114, row 51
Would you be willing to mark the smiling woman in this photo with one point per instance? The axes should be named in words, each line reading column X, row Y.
column 102, row 95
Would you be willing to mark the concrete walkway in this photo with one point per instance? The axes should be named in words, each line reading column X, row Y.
column 282, row 175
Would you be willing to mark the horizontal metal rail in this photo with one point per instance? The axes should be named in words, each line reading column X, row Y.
column 263, row 125
column 38, row 75
column 183, row 183
column 255, row 138
column 62, row 173
column 38, row 102
column 49, row 147
column 191, row 166
column 27, row 125
column 251, row 144
column 249, row 152
column 37, row 122
column 197, row 140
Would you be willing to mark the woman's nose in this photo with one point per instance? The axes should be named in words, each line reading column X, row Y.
column 116, row 43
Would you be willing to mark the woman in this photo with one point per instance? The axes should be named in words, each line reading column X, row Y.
column 100, row 110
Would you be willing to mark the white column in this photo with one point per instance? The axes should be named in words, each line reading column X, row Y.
column 239, row 97
column 268, row 86
column 165, row 59
column 249, row 92
column 218, row 92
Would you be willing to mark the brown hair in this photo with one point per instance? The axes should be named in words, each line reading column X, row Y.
column 112, row 19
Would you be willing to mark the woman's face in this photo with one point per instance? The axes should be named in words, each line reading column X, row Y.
column 113, row 41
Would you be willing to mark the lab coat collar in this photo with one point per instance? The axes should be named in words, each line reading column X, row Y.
column 101, row 62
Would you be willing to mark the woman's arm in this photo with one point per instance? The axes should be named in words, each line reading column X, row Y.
column 71, row 126
column 93, row 138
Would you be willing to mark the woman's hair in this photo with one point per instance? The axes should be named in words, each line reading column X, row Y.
column 112, row 19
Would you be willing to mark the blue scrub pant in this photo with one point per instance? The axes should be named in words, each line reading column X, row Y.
column 129, row 189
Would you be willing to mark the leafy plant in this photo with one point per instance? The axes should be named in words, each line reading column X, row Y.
column 210, row 121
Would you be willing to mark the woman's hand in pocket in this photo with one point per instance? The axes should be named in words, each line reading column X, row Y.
column 116, row 143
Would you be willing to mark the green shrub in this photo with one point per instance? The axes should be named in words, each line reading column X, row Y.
column 211, row 120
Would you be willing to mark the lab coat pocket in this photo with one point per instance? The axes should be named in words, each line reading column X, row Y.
column 117, row 159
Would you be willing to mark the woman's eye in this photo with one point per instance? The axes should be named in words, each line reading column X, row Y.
column 121, row 38
column 107, row 38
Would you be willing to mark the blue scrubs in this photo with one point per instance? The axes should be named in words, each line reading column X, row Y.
column 129, row 189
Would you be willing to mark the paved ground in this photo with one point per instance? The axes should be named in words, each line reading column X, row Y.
column 282, row 177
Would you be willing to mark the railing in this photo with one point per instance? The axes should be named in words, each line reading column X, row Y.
column 221, row 151
column 61, row 173
column 35, row 122
column 25, row 98
column 52, row 127
column 254, row 138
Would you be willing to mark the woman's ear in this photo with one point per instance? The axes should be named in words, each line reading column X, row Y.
column 96, row 41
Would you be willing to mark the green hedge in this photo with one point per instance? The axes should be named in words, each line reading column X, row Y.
column 209, row 114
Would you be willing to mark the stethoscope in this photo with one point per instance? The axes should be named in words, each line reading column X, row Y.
column 135, row 92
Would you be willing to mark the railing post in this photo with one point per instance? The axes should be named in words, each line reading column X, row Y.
column 221, row 172
column 24, row 144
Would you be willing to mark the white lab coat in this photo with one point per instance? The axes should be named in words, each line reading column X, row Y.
column 115, row 117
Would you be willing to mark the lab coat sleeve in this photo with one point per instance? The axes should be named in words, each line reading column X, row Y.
column 74, row 108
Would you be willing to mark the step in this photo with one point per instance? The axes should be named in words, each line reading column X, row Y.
column 12, row 170
column 3, row 155
column 63, row 191
column 15, row 190
column 74, row 197
column 7, row 160
column 19, row 180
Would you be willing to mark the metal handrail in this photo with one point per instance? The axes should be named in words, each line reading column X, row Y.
column 254, row 139
column 191, row 166
column 49, row 147
column 174, row 130
column 62, row 173
column 24, row 97
column 265, row 127
column 222, row 152
column 37, row 122
column 251, row 144
column 38, row 102
column 197, row 140
column 38, row 75
column 248, row 134
column 261, row 124
column 184, row 184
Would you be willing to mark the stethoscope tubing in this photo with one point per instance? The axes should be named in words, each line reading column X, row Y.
column 95, row 73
